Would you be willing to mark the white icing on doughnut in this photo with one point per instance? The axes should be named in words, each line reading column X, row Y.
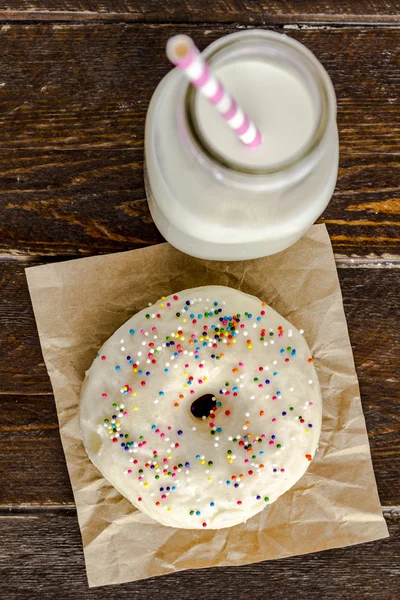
column 220, row 470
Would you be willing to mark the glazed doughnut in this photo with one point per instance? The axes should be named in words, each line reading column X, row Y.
column 202, row 409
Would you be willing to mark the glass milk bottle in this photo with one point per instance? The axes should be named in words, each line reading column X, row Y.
column 211, row 196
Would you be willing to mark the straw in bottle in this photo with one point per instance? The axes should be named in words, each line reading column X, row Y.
column 183, row 53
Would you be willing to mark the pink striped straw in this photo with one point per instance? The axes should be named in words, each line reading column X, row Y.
column 182, row 52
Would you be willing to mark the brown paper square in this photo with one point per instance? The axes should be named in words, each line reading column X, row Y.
column 79, row 304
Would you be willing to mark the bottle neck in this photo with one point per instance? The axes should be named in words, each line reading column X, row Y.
column 272, row 74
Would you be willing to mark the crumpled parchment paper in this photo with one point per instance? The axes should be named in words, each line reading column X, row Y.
column 78, row 304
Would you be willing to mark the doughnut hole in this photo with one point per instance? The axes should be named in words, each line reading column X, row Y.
column 202, row 406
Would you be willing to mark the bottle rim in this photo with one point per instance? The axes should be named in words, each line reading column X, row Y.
column 277, row 47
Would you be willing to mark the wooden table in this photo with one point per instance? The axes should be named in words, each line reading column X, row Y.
column 76, row 78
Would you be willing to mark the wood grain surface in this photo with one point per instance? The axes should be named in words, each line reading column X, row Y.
column 72, row 122
column 44, row 559
column 251, row 12
column 84, row 202
column 370, row 298
column 88, row 86
column 30, row 446
column 76, row 77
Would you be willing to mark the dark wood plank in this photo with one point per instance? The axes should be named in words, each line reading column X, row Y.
column 88, row 86
column 21, row 364
column 32, row 461
column 85, row 202
column 370, row 299
column 72, row 121
column 29, row 438
column 363, row 217
column 31, row 456
column 41, row 558
column 73, row 203
column 219, row 11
